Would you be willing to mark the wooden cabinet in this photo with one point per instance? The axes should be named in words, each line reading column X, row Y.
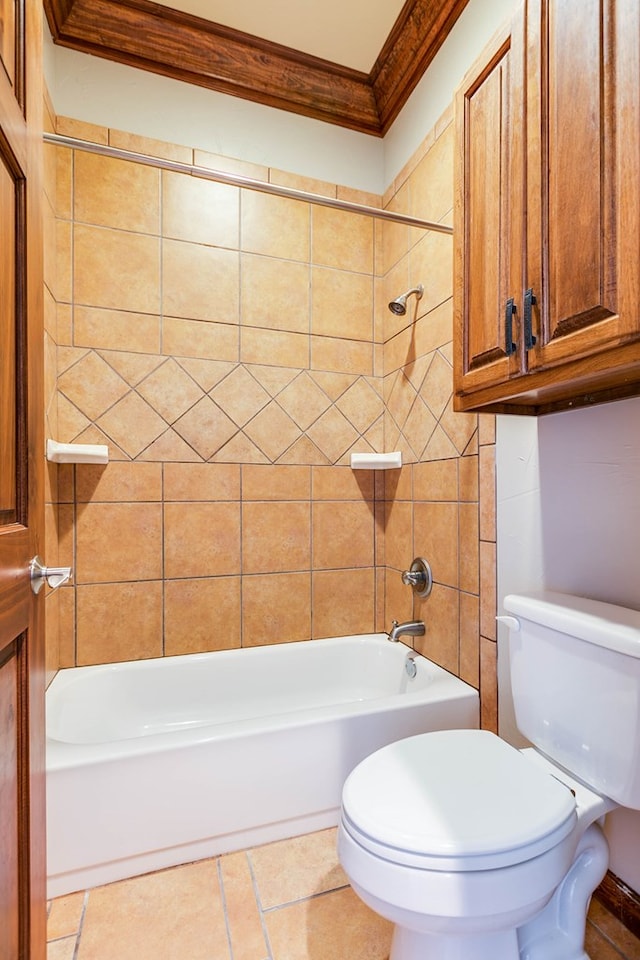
column 547, row 217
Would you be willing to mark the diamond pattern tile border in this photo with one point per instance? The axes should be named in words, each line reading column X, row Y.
column 151, row 407
column 155, row 408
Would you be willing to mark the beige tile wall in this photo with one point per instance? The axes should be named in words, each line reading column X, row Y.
column 220, row 341
column 232, row 348
column 441, row 505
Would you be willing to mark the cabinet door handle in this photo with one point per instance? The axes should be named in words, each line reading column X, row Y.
column 529, row 300
column 509, row 310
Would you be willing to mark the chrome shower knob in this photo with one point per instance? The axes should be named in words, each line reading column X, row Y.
column 419, row 577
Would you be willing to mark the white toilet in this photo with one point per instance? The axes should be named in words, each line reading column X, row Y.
column 478, row 851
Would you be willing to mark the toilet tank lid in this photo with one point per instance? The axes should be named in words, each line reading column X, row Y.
column 604, row 624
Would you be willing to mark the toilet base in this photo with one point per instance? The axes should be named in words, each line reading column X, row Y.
column 412, row 945
column 557, row 932
column 554, row 933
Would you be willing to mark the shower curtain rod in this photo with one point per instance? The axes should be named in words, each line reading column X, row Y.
column 236, row 180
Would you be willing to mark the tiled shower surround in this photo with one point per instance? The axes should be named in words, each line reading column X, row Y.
column 232, row 349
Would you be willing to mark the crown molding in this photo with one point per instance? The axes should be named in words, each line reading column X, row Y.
column 419, row 32
column 156, row 38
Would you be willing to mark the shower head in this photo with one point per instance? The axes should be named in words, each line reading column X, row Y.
column 399, row 305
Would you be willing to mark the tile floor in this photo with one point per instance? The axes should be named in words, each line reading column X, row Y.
column 284, row 901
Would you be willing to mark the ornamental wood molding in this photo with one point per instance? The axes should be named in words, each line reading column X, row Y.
column 156, row 38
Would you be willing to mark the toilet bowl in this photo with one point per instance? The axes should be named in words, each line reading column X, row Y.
column 476, row 850
column 459, row 839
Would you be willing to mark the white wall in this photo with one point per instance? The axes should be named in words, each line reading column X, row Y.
column 519, row 537
column 590, row 486
column 99, row 91
column 569, row 520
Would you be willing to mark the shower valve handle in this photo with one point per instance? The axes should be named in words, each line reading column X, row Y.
column 55, row 576
column 413, row 578
column 419, row 577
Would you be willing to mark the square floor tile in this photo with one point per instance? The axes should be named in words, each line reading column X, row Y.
column 332, row 926
column 293, row 869
column 175, row 914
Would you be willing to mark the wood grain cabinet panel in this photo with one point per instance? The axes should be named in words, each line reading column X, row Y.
column 489, row 214
column 547, row 234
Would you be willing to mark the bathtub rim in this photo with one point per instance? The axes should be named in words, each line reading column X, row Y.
column 62, row 754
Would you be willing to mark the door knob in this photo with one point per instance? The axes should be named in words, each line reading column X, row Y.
column 55, row 576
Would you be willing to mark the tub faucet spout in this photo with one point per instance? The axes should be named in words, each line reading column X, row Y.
column 410, row 628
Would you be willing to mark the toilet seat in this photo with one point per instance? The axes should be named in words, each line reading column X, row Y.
column 455, row 800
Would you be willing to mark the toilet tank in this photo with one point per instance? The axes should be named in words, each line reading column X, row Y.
column 575, row 677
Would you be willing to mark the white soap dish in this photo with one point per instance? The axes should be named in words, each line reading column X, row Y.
column 77, row 452
column 376, row 461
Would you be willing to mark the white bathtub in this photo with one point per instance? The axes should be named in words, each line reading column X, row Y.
column 159, row 762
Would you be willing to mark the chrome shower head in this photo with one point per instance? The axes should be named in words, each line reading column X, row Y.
column 399, row 305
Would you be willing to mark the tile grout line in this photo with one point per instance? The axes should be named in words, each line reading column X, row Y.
column 85, row 904
column 261, row 911
column 308, row 899
column 223, row 898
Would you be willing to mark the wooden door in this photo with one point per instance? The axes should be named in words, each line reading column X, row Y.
column 22, row 847
column 582, row 175
column 489, row 216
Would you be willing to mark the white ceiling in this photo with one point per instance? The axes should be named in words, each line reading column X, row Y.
column 348, row 32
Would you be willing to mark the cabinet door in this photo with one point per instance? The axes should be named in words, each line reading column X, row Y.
column 489, row 216
column 582, row 176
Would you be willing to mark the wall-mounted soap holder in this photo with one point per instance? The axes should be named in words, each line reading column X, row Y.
column 376, row 461
column 419, row 577
column 77, row 452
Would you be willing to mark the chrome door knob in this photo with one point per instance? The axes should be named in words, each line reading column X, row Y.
column 55, row 576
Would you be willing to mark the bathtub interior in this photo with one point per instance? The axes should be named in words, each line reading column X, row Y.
column 122, row 701
column 146, row 800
